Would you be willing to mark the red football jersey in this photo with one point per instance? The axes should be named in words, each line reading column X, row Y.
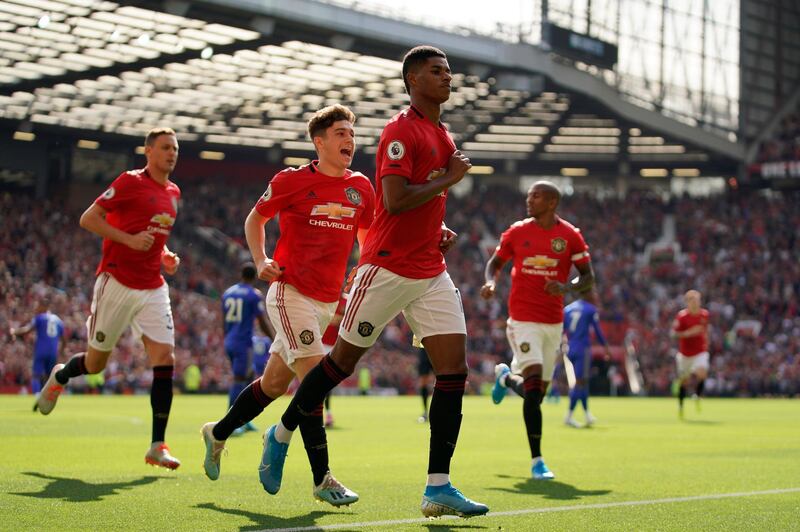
column 540, row 254
column 692, row 345
column 320, row 216
column 408, row 243
column 135, row 202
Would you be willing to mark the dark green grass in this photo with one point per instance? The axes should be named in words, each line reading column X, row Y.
column 83, row 467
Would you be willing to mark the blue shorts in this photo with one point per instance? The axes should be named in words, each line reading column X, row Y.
column 581, row 358
column 259, row 363
column 240, row 361
column 43, row 364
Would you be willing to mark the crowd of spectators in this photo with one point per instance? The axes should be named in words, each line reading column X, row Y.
column 739, row 250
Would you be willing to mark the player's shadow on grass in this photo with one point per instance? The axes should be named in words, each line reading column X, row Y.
column 551, row 489
column 700, row 422
column 76, row 490
column 262, row 521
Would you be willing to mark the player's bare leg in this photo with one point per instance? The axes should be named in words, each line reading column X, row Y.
column 162, row 360
column 90, row 362
column 447, row 353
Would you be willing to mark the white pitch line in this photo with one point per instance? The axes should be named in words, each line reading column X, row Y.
column 544, row 510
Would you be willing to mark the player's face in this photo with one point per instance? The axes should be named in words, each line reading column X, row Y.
column 433, row 80
column 692, row 301
column 163, row 153
column 539, row 201
column 338, row 145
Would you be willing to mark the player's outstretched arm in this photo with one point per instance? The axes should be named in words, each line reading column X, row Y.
column 93, row 219
column 400, row 196
column 21, row 331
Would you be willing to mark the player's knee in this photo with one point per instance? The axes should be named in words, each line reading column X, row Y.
column 273, row 387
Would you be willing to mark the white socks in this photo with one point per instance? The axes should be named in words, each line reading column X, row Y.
column 438, row 479
column 282, row 434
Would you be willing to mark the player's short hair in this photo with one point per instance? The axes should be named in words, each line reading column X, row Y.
column 550, row 189
column 692, row 293
column 248, row 271
column 326, row 117
column 156, row 132
column 417, row 57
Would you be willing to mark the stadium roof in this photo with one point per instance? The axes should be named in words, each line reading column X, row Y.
column 227, row 81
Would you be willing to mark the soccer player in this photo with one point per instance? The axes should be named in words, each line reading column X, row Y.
column 50, row 342
column 691, row 329
column 579, row 317
column 402, row 269
column 241, row 305
column 425, row 372
column 543, row 248
column 323, row 208
column 134, row 216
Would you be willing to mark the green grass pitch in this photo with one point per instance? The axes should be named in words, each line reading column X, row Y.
column 734, row 466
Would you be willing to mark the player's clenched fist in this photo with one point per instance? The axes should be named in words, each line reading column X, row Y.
column 141, row 241
column 487, row 290
column 268, row 270
column 171, row 261
column 457, row 166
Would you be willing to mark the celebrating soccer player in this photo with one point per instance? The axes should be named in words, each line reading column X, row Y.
column 402, row 269
column 134, row 216
column 324, row 207
column 543, row 249
column 691, row 329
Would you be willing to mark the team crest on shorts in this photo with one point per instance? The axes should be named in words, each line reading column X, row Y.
column 396, row 150
column 307, row 337
column 353, row 195
column 524, row 347
column 558, row 244
column 100, row 336
column 365, row 328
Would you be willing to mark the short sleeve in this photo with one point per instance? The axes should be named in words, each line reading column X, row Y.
column 118, row 193
column 277, row 196
column 505, row 249
column 579, row 251
column 396, row 147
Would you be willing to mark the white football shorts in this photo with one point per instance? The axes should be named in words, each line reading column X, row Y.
column 299, row 322
column 688, row 365
column 534, row 343
column 430, row 306
column 115, row 307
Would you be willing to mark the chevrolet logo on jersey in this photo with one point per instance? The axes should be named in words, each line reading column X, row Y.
column 540, row 262
column 163, row 219
column 334, row 211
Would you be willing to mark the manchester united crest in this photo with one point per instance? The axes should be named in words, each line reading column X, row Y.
column 353, row 195
column 307, row 337
column 558, row 245
column 524, row 347
column 365, row 328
